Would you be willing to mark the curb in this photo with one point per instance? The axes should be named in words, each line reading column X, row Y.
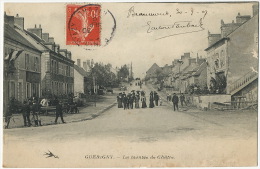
column 92, row 116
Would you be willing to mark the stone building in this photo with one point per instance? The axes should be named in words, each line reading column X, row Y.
column 22, row 64
column 232, row 57
column 56, row 64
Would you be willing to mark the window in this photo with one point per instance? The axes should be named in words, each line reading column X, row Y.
column 52, row 86
column 52, row 66
column 11, row 90
column 28, row 90
column 36, row 64
column 27, row 62
column 57, row 68
column 20, row 92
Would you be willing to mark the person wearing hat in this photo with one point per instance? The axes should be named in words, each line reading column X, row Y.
column 151, row 105
column 175, row 101
column 26, row 114
column 59, row 112
column 156, row 98
column 136, row 100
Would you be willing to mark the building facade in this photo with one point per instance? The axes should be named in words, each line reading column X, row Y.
column 56, row 68
column 22, row 64
column 233, row 59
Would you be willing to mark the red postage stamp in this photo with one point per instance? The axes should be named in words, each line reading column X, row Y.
column 83, row 24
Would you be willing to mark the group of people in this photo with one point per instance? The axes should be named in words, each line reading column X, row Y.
column 32, row 106
column 133, row 99
column 175, row 100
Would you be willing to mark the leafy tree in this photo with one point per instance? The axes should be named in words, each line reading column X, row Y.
column 123, row 72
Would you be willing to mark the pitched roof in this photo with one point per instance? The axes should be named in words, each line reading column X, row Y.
column 81, row 71
column 200, row 69
column 153, row 67
column 11, row 33
column 32, row 38
column 37, row 38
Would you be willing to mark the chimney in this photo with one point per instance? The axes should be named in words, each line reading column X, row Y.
column 45, row 37
column 19, row 21
column 9, row 20
column 85, row 65
column 212, row 38
column 37, row 31
column 242, row 18
column 57, row 48
column 78, row 62
column 51, row 39
column 69, row 55
column 63, row 52
column 255, row 9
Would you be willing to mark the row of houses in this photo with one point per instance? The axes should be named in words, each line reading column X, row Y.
column 229, row 67
column 34, row 65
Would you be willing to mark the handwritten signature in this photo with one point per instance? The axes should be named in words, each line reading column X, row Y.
column 191, row 11
column 50, row 154
column 187, row 25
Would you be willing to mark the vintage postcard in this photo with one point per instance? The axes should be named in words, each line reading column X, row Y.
column 113, row 84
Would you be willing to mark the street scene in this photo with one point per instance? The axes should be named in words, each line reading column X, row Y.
column 180, row 95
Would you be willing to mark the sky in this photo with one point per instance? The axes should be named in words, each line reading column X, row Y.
column 135, row 39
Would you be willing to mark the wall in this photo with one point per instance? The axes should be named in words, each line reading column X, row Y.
column 242, row 45
column 219, row 52
column 19, row 77
column 204, row 101
column 250, row 91
column 79, row 82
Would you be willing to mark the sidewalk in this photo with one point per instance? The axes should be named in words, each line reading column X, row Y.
column 85, row 113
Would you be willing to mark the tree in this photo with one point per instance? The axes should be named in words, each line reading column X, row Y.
column 159, row 75
column 103, row 75
column 123, row 72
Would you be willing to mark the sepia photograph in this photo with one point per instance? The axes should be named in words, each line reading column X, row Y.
column 130, row 84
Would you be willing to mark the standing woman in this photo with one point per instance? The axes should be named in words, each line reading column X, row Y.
column 151, row 105
column 143, row 99
column 137, row 98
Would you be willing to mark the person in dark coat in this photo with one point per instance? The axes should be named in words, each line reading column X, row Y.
column 151, row 104
column 175, row 101
column 119, row 100
column 156, row 98
column 35, row 112
column 125, row 101
column 10, row 111
column 131, row 101
column 26, row 114
column 182, row 99
column 56, row 101
column 59, row 112
column 136, row 99
column 143, row 100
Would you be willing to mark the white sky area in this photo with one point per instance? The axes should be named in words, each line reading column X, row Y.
column 131, row 42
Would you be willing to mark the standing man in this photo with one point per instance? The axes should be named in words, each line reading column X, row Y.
column 151, row 105
column 26, row 114
column 182, row 99
column 175, row 101
column 156, row 98
column 124, row 101
column 59, row 112
column 35, row 112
